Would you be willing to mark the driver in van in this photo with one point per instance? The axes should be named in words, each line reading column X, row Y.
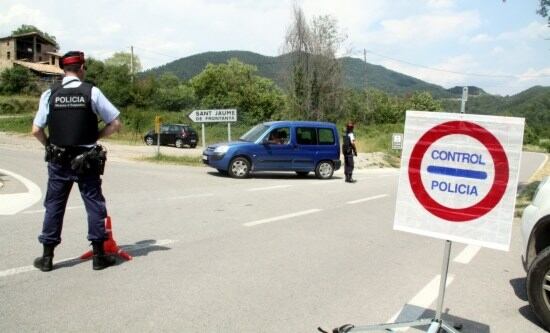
column 275, row 138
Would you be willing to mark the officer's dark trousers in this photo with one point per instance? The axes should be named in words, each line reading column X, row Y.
column 60, row 182
column 348, row 165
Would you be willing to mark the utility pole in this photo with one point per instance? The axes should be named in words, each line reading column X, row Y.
column 132, row 64
column 464, row 99
column 366, row 91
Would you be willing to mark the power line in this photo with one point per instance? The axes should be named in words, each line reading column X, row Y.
column 508, row 76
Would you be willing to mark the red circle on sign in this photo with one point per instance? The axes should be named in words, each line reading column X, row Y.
column 500, row 182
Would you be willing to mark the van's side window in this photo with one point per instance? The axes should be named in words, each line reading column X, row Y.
column 279, row 136
column 306, row 136
column 326, row 136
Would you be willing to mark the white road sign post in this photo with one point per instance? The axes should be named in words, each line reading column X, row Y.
column 214, row 116
column 397, row 141
column 458, row 182
column 462, row 172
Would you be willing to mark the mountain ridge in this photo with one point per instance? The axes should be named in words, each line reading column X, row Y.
column 272, row 67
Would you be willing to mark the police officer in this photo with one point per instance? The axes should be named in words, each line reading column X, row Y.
column 349, row 150
column 70, row 110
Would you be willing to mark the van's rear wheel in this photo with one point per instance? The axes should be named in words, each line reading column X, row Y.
column 538, row 287
column 324, row 170
column 239, row 167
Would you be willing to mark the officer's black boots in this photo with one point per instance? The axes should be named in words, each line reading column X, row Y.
column 349, row 179
column 45, row 263
column 100, row 259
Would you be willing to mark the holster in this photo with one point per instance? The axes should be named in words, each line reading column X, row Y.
column 90, row 162
column 81, row 160
column 55, row 154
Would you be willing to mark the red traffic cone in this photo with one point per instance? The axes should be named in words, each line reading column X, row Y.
column 110, row 246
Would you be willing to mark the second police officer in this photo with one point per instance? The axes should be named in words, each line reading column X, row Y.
column 70, row 111
column 349, row 150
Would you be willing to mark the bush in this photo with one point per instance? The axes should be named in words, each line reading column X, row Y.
column 15, row 80
column 10, row 105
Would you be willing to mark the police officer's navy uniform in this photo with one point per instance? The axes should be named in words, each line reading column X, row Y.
column 70, row 110
column 348, row 150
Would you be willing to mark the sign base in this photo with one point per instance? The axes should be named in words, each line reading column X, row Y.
column 435, row 324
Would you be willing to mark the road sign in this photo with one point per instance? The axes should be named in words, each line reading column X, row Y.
column 213, row 116
column 397, row 141
column 462, row 172
column 158, row 120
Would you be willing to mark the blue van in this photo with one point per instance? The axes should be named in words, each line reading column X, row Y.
column 299, row 146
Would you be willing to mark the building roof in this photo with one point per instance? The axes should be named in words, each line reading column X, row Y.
column 42, row 68
column 28, row 34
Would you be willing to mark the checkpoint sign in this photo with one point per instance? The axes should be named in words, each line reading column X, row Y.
column 459, row 175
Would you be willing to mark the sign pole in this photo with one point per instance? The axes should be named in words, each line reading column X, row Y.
column 443, row 279
column 464, row 99
column 203, row 137
column 228, row 131
column 435, row 324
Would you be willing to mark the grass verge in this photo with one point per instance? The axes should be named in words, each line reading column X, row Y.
column 178, row 160
column 525, row 197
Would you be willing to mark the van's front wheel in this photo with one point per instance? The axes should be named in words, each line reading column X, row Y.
column 239, row 167
column 324, row 170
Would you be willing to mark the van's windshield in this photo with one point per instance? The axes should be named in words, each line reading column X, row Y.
column 254, row 133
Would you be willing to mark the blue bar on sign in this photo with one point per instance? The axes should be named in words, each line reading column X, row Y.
column 455, row 172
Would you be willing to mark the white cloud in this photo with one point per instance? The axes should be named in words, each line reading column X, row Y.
column 481, row 38
column 440, row 3
column 426, row 29
column 15, row 15
column 536, row 75
column 533, row 31
column 446, row 73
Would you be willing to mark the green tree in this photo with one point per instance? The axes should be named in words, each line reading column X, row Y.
column 544, row 8
column 422, row 101
column 116, row 85
column 173, row 95
column 15, row 80
column 144, row 91
column 315, row 85
column 26, row 28
column 124, row 58
column 235, row 85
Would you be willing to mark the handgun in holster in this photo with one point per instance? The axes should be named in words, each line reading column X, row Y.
column 55, row 154
column 90, row 161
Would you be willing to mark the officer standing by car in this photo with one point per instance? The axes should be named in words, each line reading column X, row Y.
column 349, row 150
column 70, row 110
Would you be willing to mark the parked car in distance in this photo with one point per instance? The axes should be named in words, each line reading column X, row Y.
column 179, row 135
column 535, row 230
column 298, row 146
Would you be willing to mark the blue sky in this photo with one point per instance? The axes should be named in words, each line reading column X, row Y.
column 502, row 47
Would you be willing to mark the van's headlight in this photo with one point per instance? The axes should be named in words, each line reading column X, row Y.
column 220, row 150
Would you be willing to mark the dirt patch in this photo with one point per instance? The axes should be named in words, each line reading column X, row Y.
column 139, row 152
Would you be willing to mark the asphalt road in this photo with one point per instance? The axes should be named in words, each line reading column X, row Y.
column 273, row 253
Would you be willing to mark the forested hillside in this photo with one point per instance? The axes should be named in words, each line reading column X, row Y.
column 533, row 104
column 353, row 71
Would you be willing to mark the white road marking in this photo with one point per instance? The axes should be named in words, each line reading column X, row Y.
column 25, row 269
column 11, row 204
column 367, row 199
column 268, row 188
column 419, row 303
column 282, row 217
column 190, row 196
column 466, row 255
column 43, row 210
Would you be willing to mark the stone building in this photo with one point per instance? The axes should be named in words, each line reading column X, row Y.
column 33, row 51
